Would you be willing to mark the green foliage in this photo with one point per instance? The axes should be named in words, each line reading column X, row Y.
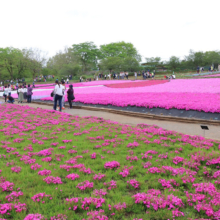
column 120, row 49
column 85, row 58
column 111, row 63
column 153, row 61
column 130, row 64
column 119, row 56
column 174, row 62
column 12, row 63
column 200, row 58
column 69, row 69
column 86, row 134
column 87, row 54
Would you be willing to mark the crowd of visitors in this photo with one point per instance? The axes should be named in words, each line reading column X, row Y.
column 211, row 69
column 121, row 75
column 24, row 93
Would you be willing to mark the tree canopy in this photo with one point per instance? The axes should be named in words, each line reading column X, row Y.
column 87, row 57
column 120, row 49
column 87, row 54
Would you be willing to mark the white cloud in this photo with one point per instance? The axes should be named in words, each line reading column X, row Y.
column 156, row 28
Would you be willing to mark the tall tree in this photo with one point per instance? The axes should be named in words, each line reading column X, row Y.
column 36, row 60
column 174, row 62
column 12, row 61
column 70, row 69
column 120, row 49
column 195, row 58
column 212, row 58
column 87, row 53
column 130, row 64
column 111, row 63
column 61, row 59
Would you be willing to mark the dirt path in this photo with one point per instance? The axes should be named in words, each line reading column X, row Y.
column 185, row 128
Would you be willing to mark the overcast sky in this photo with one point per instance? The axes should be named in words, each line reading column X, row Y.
column 156, row 27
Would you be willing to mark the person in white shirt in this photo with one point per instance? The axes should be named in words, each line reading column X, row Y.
column 67, row 80
column 58, row 91
column 135, row 74
column 9, row 89
column 25, row 93
column 63, row 99
column 5, row 93
column 20, row 94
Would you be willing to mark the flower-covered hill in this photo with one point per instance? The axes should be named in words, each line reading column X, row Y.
column 187, row 94
column 57, row 166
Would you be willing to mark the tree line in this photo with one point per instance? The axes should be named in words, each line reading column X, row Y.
column 189, row 62
column 85, row 58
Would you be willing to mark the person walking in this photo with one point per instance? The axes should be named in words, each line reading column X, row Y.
column 70, row 95
column 58, row 91
column 67, row 81
column 29, row 93
column 20, row 94
column 135, row 75
column 33, row 84
column 63, row 99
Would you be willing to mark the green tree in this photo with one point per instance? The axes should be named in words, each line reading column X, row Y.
column 12, row 62
column 61, row 59
column 130, row 64
column 120, row 49
column 212, row 58
column 70, row 69
column 195, row 59
column 174, row 62
column 111, row 63
column 36, row 60
column 87, row 54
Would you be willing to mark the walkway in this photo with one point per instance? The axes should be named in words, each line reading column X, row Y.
column 185, row 128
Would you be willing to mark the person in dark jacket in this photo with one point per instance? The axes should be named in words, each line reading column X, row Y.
column 10, row 99
column 70, row 95
column 29, row 93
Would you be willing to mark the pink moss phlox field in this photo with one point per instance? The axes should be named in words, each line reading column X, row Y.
column 188, row 94
column 112, row 165
column 58, row 166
